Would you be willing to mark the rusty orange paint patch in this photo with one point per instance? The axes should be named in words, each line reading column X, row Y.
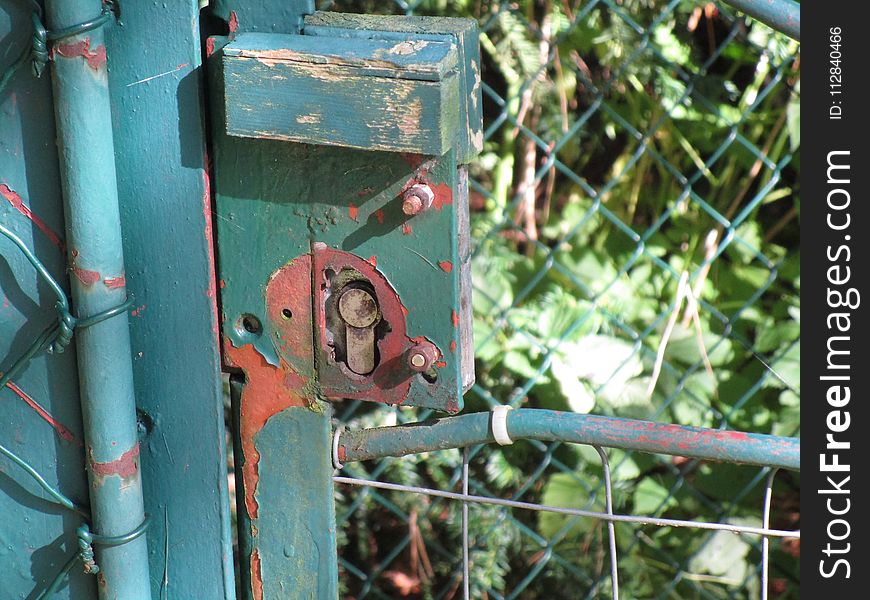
column 453, row 346
column 443, row 196
column 125, row 466
column 440, row 364
column 256, row 575
column 86, row 276
column 446, row 266
column 454, row 316
column 96, row 59
column 353, row 211
column 18, row 204
column 379, row 215
column 115, row 282
column 373, row 261
column 406, row 229
column 268, row 390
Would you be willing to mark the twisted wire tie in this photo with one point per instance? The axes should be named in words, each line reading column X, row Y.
column 87, row 540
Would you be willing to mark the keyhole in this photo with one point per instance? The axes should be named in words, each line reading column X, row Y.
column 359, row 311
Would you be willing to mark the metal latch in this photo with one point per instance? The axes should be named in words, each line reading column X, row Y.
column 342, row 207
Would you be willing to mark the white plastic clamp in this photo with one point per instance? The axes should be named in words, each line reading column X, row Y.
column 499, row 424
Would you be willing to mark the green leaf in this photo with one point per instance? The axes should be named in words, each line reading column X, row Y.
column 579, row 398
column 725, row 554
column 651, row 497
column 683, row 347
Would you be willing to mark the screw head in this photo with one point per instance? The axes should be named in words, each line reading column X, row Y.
column 422, row 356
column 417, row 198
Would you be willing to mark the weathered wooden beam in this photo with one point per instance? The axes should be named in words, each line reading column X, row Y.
column 462, row 32
column 398, row 96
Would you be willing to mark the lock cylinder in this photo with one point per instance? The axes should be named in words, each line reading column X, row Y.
column 358, row 310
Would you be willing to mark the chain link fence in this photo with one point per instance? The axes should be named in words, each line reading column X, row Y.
column 635, row 221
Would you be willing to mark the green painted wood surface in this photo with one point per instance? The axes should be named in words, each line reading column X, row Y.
column 36, row 537
column 158, row 117
column 275, row 198
column 462, row 32
column 289, row 549
column 397, row 96
column 269, row 16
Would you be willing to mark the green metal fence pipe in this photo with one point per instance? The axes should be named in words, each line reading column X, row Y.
column 782, row 15
column 96, row 266
column 550, row 425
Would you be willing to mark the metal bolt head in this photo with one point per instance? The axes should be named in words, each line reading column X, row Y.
column 417, row 198
column 357, row 307
column 422, row 356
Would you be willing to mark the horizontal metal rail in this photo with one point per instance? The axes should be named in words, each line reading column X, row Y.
column 782, row 15
column 550, row 425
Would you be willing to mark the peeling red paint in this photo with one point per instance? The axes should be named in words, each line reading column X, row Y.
column 256, row 575
column 379, row 215
column 137, row 311
column 446, row 266
column 86, row 276
column 453, row 346
column 268, row 390
column 233, row 23
column 61, row 430
column 222, row 284
column 440, row 364
column 373, row 261
column 209, row 46
column 115, row 282
column 125, row 467
column 211, row 289
column 353, row 211
column 96, row 60
column 454, row 316
column 406, row 229
column 443, row 196
column 18, row 204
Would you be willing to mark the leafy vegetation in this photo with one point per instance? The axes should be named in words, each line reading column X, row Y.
column 628, row 142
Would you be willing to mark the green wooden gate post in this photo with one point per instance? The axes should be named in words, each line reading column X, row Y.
column 342, row 228
column 96, row 263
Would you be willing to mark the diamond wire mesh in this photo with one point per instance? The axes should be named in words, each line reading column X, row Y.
column 626, row 143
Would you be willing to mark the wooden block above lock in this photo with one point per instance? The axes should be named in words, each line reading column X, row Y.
column 391, row 95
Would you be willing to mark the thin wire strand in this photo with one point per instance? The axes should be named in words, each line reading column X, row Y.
column 466, row 584
column 781, row 533
column 611, row 526
column 765, row 540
